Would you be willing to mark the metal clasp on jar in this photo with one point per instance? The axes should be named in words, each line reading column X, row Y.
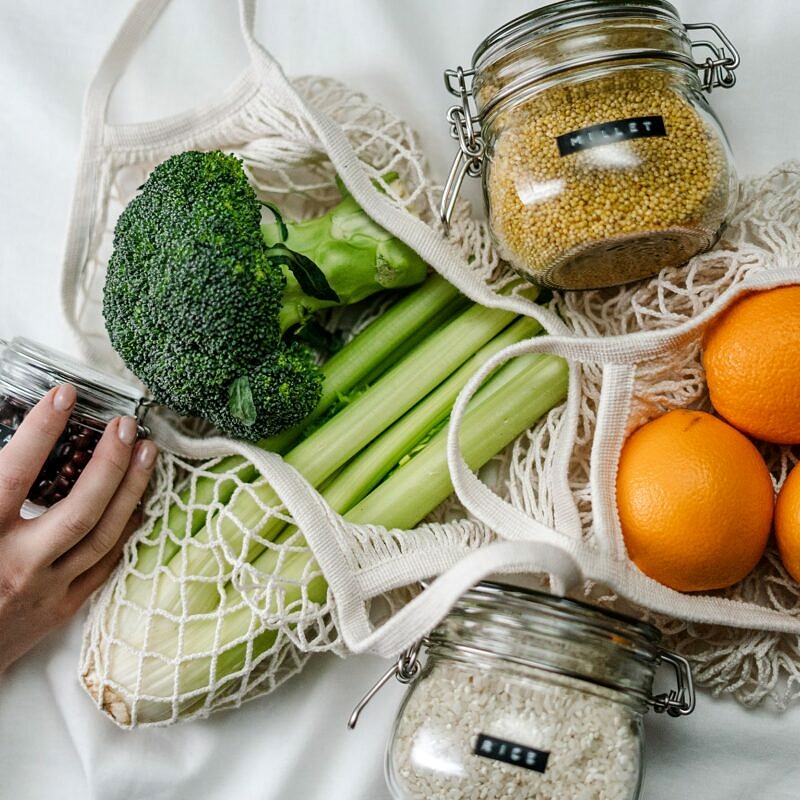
column 718, row 68
column 142, row 409
column 406, row 669
column 679, row 701
column 465, row 127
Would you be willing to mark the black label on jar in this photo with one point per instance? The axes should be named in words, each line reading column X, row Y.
column 519, row 755
column 5, row 434
column 610, row 132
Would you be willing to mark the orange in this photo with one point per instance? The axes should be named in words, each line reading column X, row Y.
column 695, row 501
column 751, row 355
column 787, row 523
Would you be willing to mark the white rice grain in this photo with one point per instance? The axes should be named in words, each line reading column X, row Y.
column 592, row 736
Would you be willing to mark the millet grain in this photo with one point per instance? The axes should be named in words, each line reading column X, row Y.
column 614, row 212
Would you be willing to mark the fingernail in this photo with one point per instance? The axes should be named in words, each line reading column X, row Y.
column 65, row 397
column 146, row 454
column 127, row 430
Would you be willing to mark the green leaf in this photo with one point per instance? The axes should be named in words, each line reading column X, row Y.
column 240, row 401
column 283, row 231
column 311, row 278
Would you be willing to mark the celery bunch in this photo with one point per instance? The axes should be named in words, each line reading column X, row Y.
column 379, row 458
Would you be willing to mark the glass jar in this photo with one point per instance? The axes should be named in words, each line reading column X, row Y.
column 27, row 372
column 529, row 696
column 602, row 161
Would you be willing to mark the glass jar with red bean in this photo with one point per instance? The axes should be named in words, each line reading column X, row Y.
column 27, row 372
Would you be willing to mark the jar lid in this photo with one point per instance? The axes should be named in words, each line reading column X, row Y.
column 31, row 370
column 514, row 602
column 478, row 627
column 542, row 20
column 573, row 35
column 539, row 631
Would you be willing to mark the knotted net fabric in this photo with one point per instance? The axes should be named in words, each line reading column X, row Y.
column 762, row 241
column 220, row 596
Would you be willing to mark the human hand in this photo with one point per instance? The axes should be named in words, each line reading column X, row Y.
column 51, row 564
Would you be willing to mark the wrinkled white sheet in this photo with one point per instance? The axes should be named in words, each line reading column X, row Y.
column 293, row 745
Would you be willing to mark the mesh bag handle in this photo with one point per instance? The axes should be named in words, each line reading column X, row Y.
column 263, row 73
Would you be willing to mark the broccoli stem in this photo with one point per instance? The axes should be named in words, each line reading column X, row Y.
column 357, row 257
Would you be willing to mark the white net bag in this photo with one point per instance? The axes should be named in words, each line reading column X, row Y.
column 189, row 624
column 241, row 569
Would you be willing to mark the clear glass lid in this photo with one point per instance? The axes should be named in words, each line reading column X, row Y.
column 530, row 629
column 30, row 370
column 565, row 14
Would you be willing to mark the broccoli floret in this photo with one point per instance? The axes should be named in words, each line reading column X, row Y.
column 198, row 297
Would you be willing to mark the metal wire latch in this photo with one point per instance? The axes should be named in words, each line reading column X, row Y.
column 718, row 68
column 405, row 670
column 679, row 701
column 465, row 127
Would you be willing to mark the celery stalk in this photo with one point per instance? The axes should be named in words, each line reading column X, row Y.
column 381, row 344
column 322, row 453
column 522, row 394
column 372, row 464
column 486, row 430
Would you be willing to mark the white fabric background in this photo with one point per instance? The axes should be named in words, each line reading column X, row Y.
column 293, row 745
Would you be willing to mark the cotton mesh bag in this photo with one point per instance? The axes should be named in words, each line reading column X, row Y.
column 208, row 608
column 184, row 590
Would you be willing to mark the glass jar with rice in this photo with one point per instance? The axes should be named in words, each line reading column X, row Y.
column 529, row 696
column 601, row 159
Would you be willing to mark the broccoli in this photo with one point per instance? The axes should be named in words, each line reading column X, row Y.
column 200, row 299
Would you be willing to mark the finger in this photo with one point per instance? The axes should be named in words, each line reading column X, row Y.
column 23, row 457
column 103, row 538
column 69, row 520
column 91, row 580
